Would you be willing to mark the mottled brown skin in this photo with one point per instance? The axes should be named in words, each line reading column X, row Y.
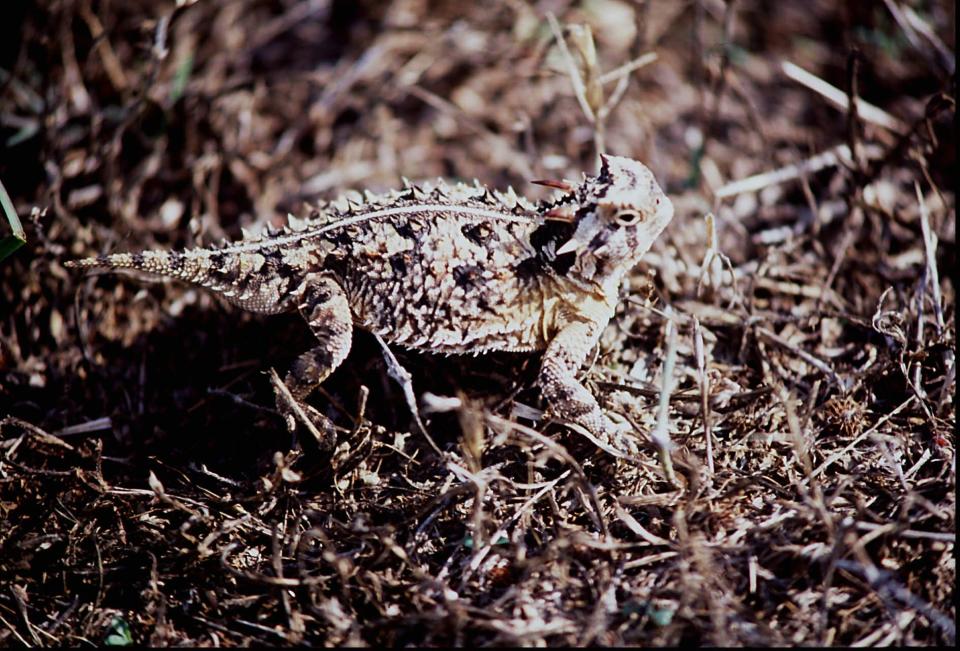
column 451, row 269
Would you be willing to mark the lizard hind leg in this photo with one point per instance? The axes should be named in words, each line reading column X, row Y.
column 324, row 306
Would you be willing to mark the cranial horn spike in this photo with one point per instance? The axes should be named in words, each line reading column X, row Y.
column 565, row 214
column 559, row 185
column 573, row 244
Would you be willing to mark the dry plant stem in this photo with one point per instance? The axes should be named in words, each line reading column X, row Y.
column 294, row 619
column 757, row 122
column 504, row 528
column 704, row 392
column 851, row 230
column 22, row 608
column 294, row 406
column 889, row 589
column 950, row 377
column 109, row 58
column 814, row 210
column 634, row 526
column 403, row 378
column 479, row 482
column 829, row 158
column 833, row 458
column 361, row 408
column 914, row 534
column 913, row 28
column 624, row 71
column 597, row 111
column 96, row 425
column 661, row 432
column 853, row 121
column 868, row 112
column 797, row 439
column 503, row 424
column 805, row 356
column 882, row 323
column 579, row 89
column 609, row 449
column 930, row 254
column 918, row 300
column 720, row 82
column 713, row 253
column 935, row 105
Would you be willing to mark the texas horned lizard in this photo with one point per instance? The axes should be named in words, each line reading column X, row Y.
column 451, row 269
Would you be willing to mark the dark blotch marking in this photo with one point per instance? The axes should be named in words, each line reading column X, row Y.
column 404, row 229
column 529, row 268
column 479, row 234
column 424, row 300
column 276, row 266
column 217, row 260
column 556, row 232
column 563, row 263
column 598, row 240
column 225, row 267
column 338, row 265
column 398, row 263
column 338, row 236
column 467, row 275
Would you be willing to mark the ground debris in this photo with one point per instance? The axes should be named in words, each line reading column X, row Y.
column 151, row 493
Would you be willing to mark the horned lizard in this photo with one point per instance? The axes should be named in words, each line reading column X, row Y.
column 445, row 268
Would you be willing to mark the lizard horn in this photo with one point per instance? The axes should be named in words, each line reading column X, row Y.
column 559, row 185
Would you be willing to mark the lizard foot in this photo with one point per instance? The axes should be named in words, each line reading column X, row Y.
column 619, row 435
column 295, row 411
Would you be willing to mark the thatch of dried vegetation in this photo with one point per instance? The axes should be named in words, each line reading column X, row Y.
column 786, row 352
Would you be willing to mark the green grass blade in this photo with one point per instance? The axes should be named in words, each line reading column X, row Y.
column 10, row 243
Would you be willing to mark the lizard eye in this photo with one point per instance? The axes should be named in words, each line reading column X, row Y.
column 628, row 217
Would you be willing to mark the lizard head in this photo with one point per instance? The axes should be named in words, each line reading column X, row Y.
column 617, row 215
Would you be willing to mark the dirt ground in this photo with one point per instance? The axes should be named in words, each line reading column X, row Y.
column 796, row 486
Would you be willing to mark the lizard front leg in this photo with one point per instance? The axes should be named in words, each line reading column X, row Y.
column 567, row 397
column 323, row 304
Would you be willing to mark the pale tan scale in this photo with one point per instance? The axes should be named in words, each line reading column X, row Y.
column 251, row 263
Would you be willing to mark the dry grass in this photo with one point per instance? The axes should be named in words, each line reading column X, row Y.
column 797, row 482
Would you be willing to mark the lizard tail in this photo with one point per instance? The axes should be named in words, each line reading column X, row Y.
column 240, row 277
column 190, row 266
